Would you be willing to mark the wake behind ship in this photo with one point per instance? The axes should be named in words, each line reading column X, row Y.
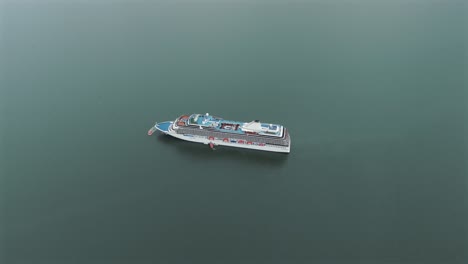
column 216, row 131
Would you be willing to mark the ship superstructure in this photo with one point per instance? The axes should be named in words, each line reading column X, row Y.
column 212, row 130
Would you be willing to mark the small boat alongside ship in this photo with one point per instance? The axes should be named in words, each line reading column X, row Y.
column 216, row 131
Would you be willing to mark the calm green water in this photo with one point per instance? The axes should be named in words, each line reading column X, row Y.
column 373, row 92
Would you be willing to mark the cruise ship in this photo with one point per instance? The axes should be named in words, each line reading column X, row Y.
column 215, row 131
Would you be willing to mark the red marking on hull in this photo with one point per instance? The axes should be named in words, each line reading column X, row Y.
column 151, row 131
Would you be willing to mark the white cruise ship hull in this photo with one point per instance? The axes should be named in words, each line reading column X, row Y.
column 167, row 128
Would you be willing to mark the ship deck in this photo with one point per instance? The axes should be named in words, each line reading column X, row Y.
column 219, row 124
column 216, row 123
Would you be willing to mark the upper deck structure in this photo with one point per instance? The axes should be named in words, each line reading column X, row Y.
column 228, row 126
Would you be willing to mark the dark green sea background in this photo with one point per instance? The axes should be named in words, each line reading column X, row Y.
column 374, row 94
